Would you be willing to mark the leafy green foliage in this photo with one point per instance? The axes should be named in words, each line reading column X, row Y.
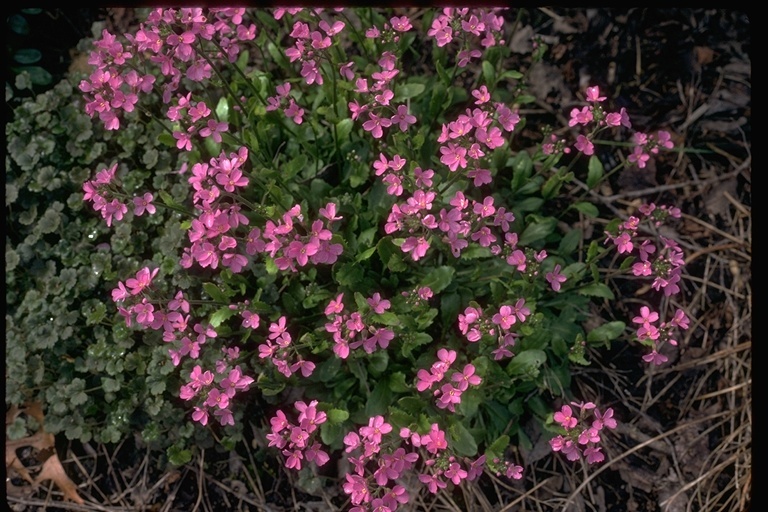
column 511, row 311
column 66, row 346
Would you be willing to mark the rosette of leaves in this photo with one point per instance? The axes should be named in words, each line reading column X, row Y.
column 65, row 346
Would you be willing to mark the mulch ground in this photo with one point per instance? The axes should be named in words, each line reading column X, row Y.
column 685, row 438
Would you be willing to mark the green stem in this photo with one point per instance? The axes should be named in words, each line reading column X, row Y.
column 456, row 176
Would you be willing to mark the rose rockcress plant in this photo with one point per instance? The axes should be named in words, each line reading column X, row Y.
column 384, row 278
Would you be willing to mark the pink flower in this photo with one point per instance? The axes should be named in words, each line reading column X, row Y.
column 593, row 454
column 401, row 24
column 376, row 427
column 378, row 304
column 583, row 116
column 505, row 318
column 375, row 125
column 584, row 145
column 311, row 72
column 402, row 118
column 593, row 94
column 454, row 156
column 565, row 417
column 604, row 420
column 142, row 204
column 655, row 358
column 639, row 157
column 294, row 112
column 416, row 246
column 555, row 278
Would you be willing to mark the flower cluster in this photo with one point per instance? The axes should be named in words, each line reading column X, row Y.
column 289, row 241
column 667, row 264
column 132, row 298
column 171, row 40
column 372, row 485
column 352, row 330
column 310, row 47
column 278, row 347
column 291, row 109
column 655, row 337
column 298, row 441
column 647, row 145
column 473, row 324
column 376, row 99
column 581, row 436
column 594, row 116
column 215, row 392
column 466, row 139
column 442, row 198
column 449, row 394
column 467, row 221
column 104, row 192
column 464, row 25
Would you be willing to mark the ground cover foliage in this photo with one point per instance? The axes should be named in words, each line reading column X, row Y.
column 684, row 439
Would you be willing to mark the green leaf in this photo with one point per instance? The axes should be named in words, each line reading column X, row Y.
column 387, row 318
column 408, row 91
column 294, row 167
column 332, row 434
column 595, row 171
column 525, row 98
column 349, row 274
column 578, row 352
column 222, row 109
column 527, row 363
column 413, row 340
column 268, row 386
column 537, row 231
column 606, row 332
column 366, row 254
column 439, row 278
column 27, row 56
column 336, row 416
column 592, row 250
column 110, row 385
column 411, row 405
column 522, row 165
column 96, row 314
column 489, row 74
column 344, row 129
column 498, row 447
column 470, row 401
column 379, row 400
column 570, row 242
column 327, row 370
column 529, row 204
column 628, row 261
column 462, row 441
column 220, row 315
column 596, row 290
column 39, row 76
column 397, row 383
column 178, row 456
column 588, row 209
column 215, row 293
column 513, row 74
column 378, row 362
column 78, row 398
column 18, row 24
column 168, row 140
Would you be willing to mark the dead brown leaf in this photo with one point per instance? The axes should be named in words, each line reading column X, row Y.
column 44, row 443
column 53, row 470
